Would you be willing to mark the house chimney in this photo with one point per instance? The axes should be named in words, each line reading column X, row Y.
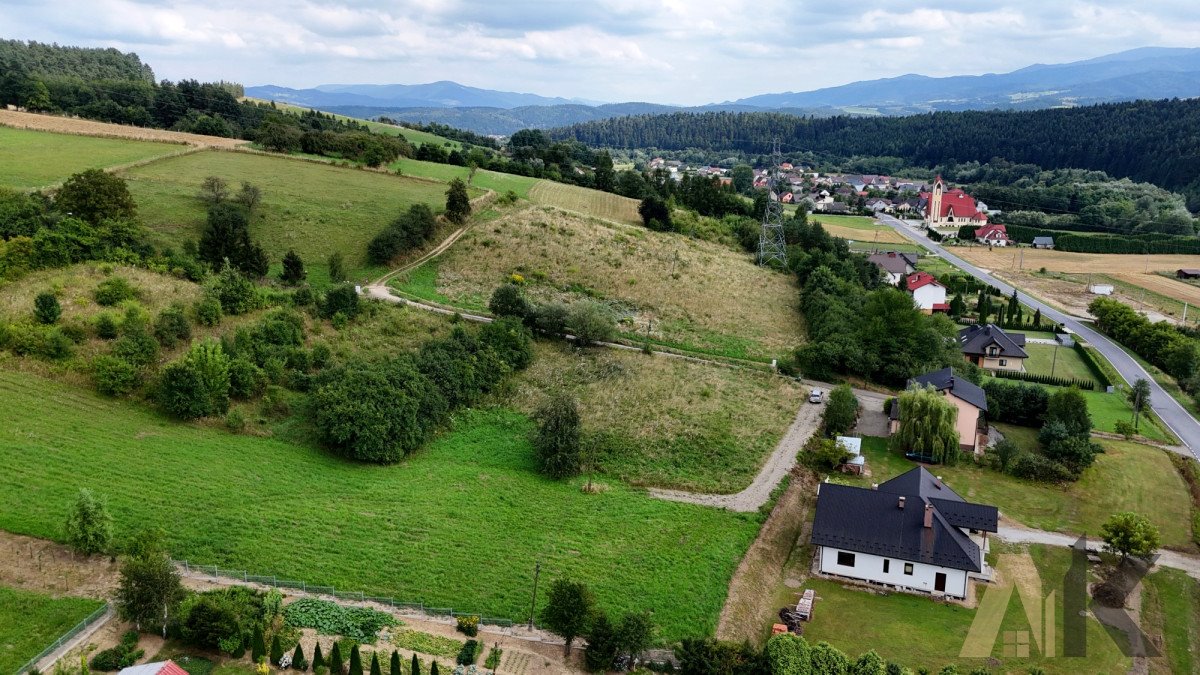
column 928, row 514
column 901, row 501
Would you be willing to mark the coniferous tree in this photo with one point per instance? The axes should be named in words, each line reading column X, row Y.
column 258, row 648
column 375, row 669
column 395, row 666
column 318, row 658
column 433, row 669
column 415, row 669
column 336, row 665
column 298, row 660
column 276, row 650
column 293, row 269
column 355, row 661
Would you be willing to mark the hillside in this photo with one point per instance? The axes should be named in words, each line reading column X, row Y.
column 442, row 94
column 60, row 155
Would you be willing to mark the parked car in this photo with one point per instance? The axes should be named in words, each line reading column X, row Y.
column 815, row 396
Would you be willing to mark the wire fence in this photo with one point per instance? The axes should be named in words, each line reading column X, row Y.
column 354, row 596
column 64, row 638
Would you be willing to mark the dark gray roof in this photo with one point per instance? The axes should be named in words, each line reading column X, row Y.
column 959, row 386
column 1043, row 241
column 871, row 521
column 896, row 263
column 976, row 339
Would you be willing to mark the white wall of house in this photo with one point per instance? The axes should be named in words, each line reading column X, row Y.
column 869, row 567
column 928, row 295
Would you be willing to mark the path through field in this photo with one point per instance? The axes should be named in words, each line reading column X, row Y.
column 68, row 125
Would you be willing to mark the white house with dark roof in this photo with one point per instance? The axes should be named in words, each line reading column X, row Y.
column 894, row 265
column 992, row 348
column 912, row 533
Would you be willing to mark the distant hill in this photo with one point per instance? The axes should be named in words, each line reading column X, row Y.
column 1146, row 73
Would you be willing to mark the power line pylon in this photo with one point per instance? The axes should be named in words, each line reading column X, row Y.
column 770, row 241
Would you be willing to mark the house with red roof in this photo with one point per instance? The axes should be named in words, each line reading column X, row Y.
column 928, row 295
column 167, row 667
column 992, row 234
column 950, row 207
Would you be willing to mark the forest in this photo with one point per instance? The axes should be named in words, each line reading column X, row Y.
column 1147, row 141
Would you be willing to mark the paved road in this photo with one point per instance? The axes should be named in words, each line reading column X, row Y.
column 1184, row 426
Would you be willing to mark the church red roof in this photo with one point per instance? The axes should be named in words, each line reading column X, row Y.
column 957, row 203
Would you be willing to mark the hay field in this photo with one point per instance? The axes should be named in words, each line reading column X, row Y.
column 1163, row 286
column 586, row 201
column 34, row 159
column 313, row 207
column 75, row 287
column 677, row 424
column 1062, row 261
column 690, row 293
column 68, row 125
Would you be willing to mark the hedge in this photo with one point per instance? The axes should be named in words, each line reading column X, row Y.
column 1046, row 379
column 1092, row 364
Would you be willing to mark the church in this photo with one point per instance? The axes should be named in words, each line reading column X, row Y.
column 950, row 207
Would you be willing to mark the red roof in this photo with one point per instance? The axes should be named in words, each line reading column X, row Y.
column 995, row 231
column 955, row 203
column 919, row 279
column 941, row 307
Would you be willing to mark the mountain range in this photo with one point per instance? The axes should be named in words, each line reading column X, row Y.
column 1145, row 73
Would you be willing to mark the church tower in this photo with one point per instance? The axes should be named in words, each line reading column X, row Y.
column 935, row 201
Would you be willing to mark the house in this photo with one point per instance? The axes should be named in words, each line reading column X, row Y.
column 837, row 207
column 853, row 447
column 1043, row 242
column 944, row 207
column 1187, row 274
column 966, row 396
column 167, row 667
column 992, row 349
column 992, row 235
column 912, row 533
column 928, row 295
column 878, row 204
column 894, row 265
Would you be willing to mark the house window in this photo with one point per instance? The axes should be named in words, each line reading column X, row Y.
column 991, row 351
column 908, row 569
column 1003, row 362
column 886, row 565
column 845, row 559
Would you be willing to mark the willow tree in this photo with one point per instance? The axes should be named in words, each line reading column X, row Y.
column 927, row 426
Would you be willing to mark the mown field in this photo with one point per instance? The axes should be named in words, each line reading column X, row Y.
column 312, row 207
column 460, row 524
column 672, row 423
column 1127, row 477
column 30, row 159
column 676, row 290
column 30, row 622
column 1056, row 361
column 859, row 229
column 1171, row 608
column 605, row 205
column 484, row 179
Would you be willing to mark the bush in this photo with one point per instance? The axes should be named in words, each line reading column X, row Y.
column 1034, row 466
column 293, row 269
column 35, row 340
column 236, row 293
column 468, row 625
column 841, row 413
column 235, row 421
column 89, row 526
column 551, row 318
column 207, row 311
column 172, row 327
column 340, row 300
column 136, row 345
column 114, row 376
column 1042, row 378
column 1125, row 429
column 114, row 290
column 557, row 439
column 246, row 380
column 124, row 655
column 198, row 384
column 106, row 326
column 510, row 340
column 590, row 322
column 509, row 300
column 46, row 308
column 470, row 653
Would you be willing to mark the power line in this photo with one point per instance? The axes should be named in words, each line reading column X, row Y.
column 771, row 246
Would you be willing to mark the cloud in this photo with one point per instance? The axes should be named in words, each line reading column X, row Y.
column 675, row 51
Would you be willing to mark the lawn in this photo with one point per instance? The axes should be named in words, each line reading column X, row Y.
column 1108, row 409
column 916, row 631
column 460, row 524
column 1057, row 361
column 314, row 208
column 1127, row 477
column 672, row 289
column 672, row 423
column 30, row 159
column 1171, row 609
column 860, row 229
column 586, row 201
column 30, row 622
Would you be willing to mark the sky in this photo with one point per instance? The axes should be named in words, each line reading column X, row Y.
column 666, row 51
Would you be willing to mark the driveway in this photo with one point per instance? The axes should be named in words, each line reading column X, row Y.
column 1018, row 534
column 1181, row 423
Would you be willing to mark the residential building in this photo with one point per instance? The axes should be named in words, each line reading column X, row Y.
column 928, row 295
column 992, row 349
column 912, row 533
column 167, row 667
column 1187, row 273
column 968, row 399
column 894, row 265
column 949, row 207
column 1043, row 242
column 992, row 235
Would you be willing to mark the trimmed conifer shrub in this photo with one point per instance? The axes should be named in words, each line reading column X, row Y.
column 375, row 669
column 258, row 648
column 298, row 660
column 318, row 658
column 416, row 666
column 336, row 665
column 276, row 650
column 355, row 661
column 395, row 667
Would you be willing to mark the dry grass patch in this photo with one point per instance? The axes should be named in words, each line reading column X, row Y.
column 586, row 201
column 694, row 294
column 75, row 287
column 69, row 125
column 667, row 422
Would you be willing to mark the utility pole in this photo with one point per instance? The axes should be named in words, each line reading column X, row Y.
column 1054, row 361
column 537, row 570
column 771, row 247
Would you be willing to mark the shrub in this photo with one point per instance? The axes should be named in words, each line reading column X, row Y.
column 246, row 380
column 304, row 297
column 469, row 653
column 493, row 658
column 95, row 196
column 276, row 650
column 557, row 439
column 121, row 656
column 337, row 268
column 136, row 345
column 114, row 290
column 198, row 384
column 468, row 625
column 172, row 327
column 235, row 421
column 329, row 618
column 458, row 202
column 509, row 300
column 106, row 326
column 89, row 526
column 551, row 318
column 258, row 645
column 342, row 300
column 298, row 661
column 207, row 311
column 822, row 454
column 841, row 412
column 46, row 308
column 355, row 661
column 293, row 269
column 590, row 322
column 1042, row 378
column 1034, row 466
column 114, row 376
column 510, row 340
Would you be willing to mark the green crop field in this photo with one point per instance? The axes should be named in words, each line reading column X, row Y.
column 460, row 524
column 30, row 622
column 30, row 159
column 311, row 207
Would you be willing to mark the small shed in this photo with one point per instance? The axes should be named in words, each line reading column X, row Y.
column 853, row 446
column 1043, row 242
column 1100, row 289
column 1187, row 274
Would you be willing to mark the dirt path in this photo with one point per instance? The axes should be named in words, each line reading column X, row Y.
column 750, row 605
column 1011, row 532
column 781, row 461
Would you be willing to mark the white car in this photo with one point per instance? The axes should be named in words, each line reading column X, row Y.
column 815, row 396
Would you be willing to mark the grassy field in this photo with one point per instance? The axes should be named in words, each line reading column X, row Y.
column 30, row 622
column 869, row 246
column 30, row 159
column 1171, row 608
column 75, row 286
column 484, row 179
column 682, row 291
column 605, row 205
column 313, row 208
column 1108, row 409
column 460, row 524
column 1066, row 363
column 859, row 228
column 1127, row 477
column 916, row 631
column 678, row 424
column 412, row 135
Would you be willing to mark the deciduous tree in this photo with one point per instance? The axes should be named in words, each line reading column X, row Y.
column 89, row 526
column 1130, row 534
column 568, row 610
column 458, row 202
column 927, row 428
column 557, row 439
